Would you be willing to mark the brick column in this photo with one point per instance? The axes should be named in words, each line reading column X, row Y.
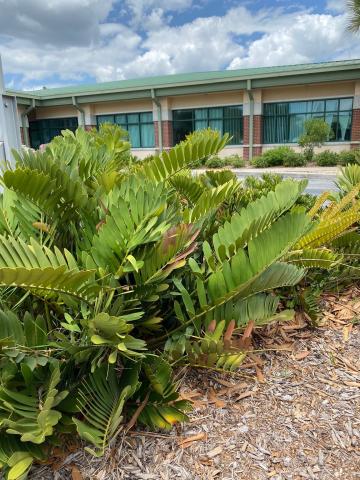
column 167, row 133
column 257, row 124
column 355, row 128
column 257, row 135
column 167, row 126
column 246, row 119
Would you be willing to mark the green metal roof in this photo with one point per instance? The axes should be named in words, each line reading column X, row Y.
column 183, row 79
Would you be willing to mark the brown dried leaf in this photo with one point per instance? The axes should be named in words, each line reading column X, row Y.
column 212, row 397
column 76, row 474
column 188, row 441
column 301, row 355
column 259, row 374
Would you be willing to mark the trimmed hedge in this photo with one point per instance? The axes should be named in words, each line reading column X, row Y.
column 326, row 159
column 230, row 161
column 235, row 161
column 280, row 156
column 348, row 156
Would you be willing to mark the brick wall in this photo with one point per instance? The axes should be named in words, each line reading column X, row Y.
column 246, row 130
column 355, row 129
column 167, row 133
column 257, row 133
column 258, row 129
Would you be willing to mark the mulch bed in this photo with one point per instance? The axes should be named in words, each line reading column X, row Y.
column 292, row 412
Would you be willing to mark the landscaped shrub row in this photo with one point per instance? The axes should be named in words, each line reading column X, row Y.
column 234, row 161
column 286, row 157
column 280, row 156
column 328, row 158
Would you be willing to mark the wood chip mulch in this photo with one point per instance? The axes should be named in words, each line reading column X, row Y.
column 292, row 412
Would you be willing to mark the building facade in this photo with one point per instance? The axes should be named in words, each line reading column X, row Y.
column 261, row 108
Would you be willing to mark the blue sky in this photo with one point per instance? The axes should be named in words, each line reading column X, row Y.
column 63, row 42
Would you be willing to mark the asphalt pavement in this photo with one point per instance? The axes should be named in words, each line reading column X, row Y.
column 317, row 182
column 320, row 179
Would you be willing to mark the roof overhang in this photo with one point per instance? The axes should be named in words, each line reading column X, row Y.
column 302, row 77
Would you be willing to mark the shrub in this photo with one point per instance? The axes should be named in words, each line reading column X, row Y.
column 326, row 159
column 294, row 159
column 260, row 162
column 255, row 187
column 110, row 275
column 215, row 162
column 235, row 161
column 317, row 132
column 280, row 156
column 347, row 157
column 276, row 156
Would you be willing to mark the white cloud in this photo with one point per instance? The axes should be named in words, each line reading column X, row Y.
column 53, row 22
column 70, row 39
column 308, row 38
column 142, row 8
column 336, row 5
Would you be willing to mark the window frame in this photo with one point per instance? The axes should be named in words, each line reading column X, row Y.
column 131, row 123
column 308, row 115
column 40, row 125
column 208, row 119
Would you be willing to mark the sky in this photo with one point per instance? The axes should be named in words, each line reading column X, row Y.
column 65, row 42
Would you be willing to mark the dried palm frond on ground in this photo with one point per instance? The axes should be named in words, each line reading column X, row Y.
column 291, row 413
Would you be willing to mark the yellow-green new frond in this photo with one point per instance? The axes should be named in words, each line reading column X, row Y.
column 313, row 258
column 326, row 231
column 318, row 204
column 336, row 207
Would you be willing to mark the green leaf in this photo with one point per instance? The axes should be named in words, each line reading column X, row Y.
column 101, row 400
column 32, row 418
column 21, row 462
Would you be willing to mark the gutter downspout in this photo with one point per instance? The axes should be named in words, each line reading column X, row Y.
column 159, row 115
column 251, row 119
column 82, row 113
column 24, row 123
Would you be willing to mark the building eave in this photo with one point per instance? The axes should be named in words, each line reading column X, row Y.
column 307, row 76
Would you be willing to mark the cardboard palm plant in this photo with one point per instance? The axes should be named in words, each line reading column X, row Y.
column 103, row 262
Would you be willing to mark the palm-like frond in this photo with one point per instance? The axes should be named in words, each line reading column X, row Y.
column 187, row 187
column 354, row 15
column 56, row 187
column 248, row 273
column 348, row 178
column 255, row 218
column 100, row 401
column 210, row 200
column 131, row 221
column 314, row 258
column 36, row 267
column 162, row 408
column 201, row 144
